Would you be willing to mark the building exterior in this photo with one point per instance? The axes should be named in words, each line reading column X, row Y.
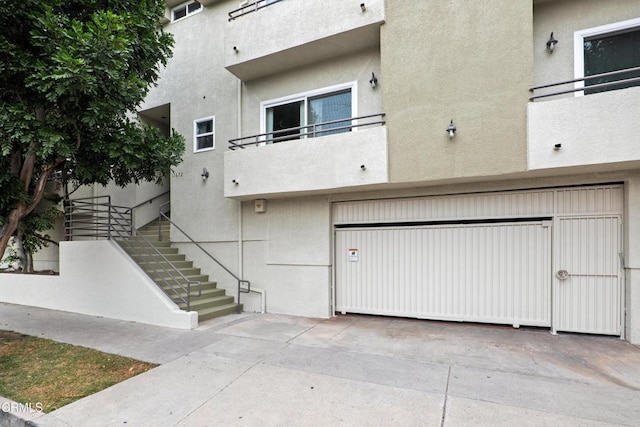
column 337, row 183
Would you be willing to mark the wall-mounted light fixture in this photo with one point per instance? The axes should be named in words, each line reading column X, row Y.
column 363, row 7
column 204, row 174
column 235, row 49
column 373, row 81
column 551, row 44
column 451, row 130
column 363, row 167
column 557, row 147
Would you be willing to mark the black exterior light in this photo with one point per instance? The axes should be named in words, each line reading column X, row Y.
column 551, row 44
column 373, row 81
column 451, row 130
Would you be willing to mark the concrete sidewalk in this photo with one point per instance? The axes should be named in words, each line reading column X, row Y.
column 253, row 369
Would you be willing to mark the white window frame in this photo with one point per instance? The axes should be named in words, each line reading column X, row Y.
column 304, row 96
column 196, row 135
column 581, row 35
column 187, row 13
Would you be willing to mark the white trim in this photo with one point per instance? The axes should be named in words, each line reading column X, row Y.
column 187, row 13
column 304, row 96
column 196, row 135
column 578, row 44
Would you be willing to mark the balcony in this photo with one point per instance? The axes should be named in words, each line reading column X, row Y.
column 595, row 125
column 317, row 158
column 269, row 37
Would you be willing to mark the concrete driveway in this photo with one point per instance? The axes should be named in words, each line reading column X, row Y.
column 272, row 370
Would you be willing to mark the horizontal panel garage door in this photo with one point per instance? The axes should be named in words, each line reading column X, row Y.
column 496, row 272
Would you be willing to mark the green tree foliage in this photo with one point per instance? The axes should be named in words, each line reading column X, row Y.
column 71, row 73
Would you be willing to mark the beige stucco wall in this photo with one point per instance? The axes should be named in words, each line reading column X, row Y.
column 467, row 61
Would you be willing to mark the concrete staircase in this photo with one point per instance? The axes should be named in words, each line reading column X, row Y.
column 213, row 302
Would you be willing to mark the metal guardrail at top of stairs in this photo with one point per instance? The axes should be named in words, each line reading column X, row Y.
column 96, row 218
column 244, row 286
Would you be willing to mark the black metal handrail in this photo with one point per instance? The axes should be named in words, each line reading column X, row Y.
column 250, row 8
column 96, row 217
column 244, row 286
column 586, row 79
column 148, row 202
column 307, row 131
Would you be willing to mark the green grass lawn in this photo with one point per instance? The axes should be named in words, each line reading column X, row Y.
column 36, row 370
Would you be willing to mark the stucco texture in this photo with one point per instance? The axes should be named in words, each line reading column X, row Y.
column 442, row 60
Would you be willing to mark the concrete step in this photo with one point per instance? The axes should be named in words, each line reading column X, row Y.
column 201, row 304
column 204, row 285
column 139, row 241
column 206, row 293
column 146, row 257
column 153, row 232
column 223, row 310
column 212, row 301
column 137, row 250
column 177, row 280
column 189, row 273
column 159, row 265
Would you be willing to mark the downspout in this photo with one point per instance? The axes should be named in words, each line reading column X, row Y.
column 262, row 292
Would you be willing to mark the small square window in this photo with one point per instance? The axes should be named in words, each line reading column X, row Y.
column 204, row 134
column 185, row 9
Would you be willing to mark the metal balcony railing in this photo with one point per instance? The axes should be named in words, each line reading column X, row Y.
column 621, row 83
column 308, row 131
column 250, row 8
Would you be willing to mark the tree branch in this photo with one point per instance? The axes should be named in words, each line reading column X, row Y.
column 46, row 239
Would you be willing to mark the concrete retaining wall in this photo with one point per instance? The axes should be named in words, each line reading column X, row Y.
column 97, row 278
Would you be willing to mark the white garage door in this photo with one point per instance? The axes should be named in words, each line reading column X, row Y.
column 495, row 273
column 486, row 257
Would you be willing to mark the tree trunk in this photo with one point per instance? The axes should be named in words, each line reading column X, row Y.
column 23, row 209
column 22, row 253
column 10, row 227
column 29, row 262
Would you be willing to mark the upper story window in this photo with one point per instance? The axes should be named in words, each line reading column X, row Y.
column 317, row 113
column 204, row 134
column 184, row 10
column 608, row 48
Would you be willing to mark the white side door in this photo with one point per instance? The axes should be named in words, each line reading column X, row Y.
column 587, row 282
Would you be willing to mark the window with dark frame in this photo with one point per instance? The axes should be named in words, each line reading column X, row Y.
column 185, row 10
column 286, row 120
column 612, row 52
